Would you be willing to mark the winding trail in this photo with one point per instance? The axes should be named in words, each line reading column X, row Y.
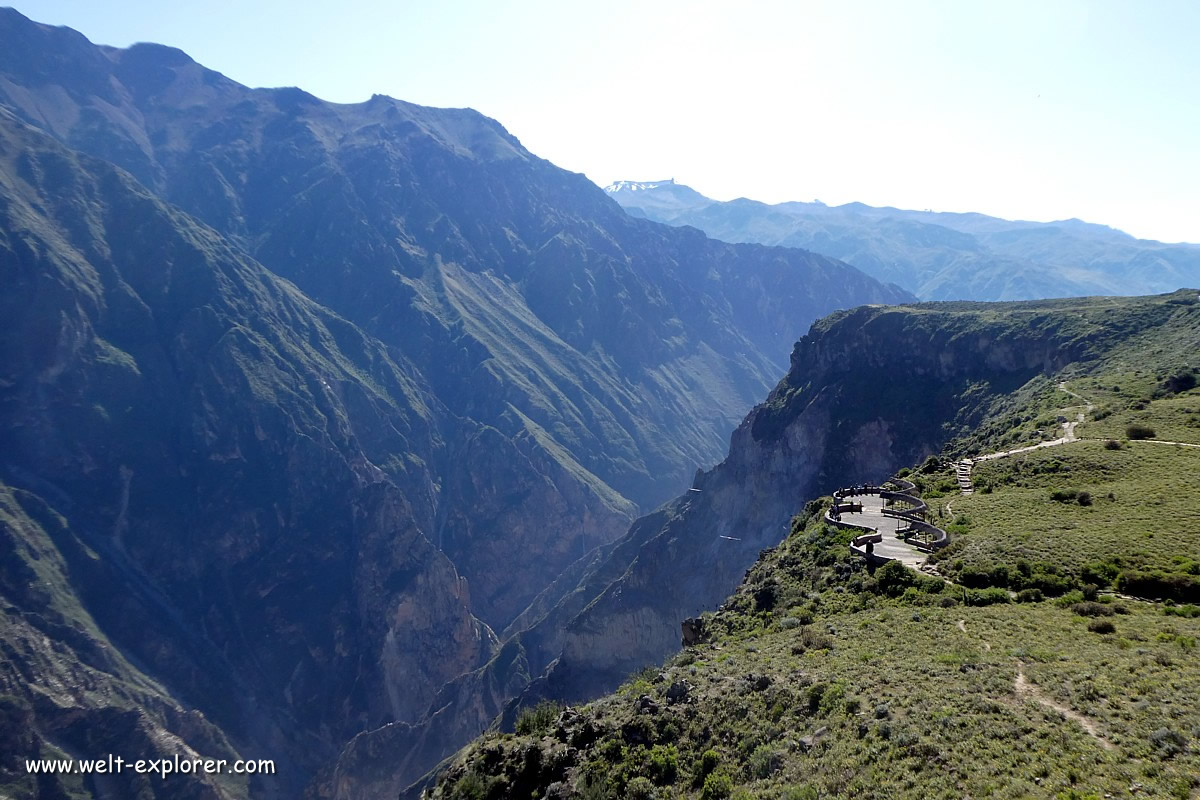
column 963, row 468
column 1029, row 691
column 1026, row 690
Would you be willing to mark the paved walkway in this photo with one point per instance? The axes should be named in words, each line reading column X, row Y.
column 872, row 516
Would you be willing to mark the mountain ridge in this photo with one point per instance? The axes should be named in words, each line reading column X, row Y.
column 818, row 666
column 324, row 396
column 938, row 255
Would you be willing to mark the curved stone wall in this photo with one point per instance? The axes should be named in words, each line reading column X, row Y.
column 914, row 516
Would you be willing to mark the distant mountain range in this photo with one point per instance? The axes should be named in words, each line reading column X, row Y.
column 939, row 256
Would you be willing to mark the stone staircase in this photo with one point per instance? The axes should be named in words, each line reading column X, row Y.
column 963, row 473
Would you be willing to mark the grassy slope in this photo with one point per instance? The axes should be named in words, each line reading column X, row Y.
column 920, row 694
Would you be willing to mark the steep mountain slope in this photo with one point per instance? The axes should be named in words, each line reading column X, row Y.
column 819, row 677
column 940, row 256
column 189, row 447
column 301, row 401
column 869, row 391
column 611, row 356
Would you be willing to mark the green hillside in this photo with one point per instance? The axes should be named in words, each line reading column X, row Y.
column 1054, row 655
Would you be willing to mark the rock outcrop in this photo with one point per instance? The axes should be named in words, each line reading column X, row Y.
column 327, row 394
column 869, row 391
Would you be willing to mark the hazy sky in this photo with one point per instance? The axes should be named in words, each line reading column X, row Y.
column 1033, row 110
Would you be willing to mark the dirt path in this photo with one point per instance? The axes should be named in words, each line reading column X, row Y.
column 963, row 468
column 962, row 626
column 1087, row 403
column 1027, row 690
column 1163, row 441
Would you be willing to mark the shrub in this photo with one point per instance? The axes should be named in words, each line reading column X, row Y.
column 893, row 578
column 639, row 788
column 1030, row 596
column 1064, row 495
column 931, row 464
column 1069, row 599
column 801, row 793
column 1112, row 444
column 1138, row 431
column 986, row 597
column 717, row 786
column 798, row 617
column 1084, row 498
column 810, row 639
column 1089, row 609
column 974, row 577
column 764, row 762
column 1182, row 611
column 1100, row 573
column 469, row 787
column 663, row 764
column 1168, row 742
column 1102, row 626
column 1155, row 583
column 537, row 720
column 1180, row 382
column 1050, row 585
column 708, row 762
column 833, row 699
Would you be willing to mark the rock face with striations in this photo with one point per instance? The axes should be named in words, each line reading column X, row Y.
column 610, row 356
column 869, row 391
column 303, row 404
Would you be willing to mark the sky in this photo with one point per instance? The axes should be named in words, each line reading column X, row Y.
column 1026, row 110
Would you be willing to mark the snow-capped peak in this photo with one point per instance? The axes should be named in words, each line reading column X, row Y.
column 636, row 186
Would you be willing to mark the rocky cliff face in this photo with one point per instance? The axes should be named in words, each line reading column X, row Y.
column 868, row 391
column 610, row 356
column 310, row 399
column 178, row 433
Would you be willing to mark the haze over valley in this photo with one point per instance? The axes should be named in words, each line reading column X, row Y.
column 357, row 451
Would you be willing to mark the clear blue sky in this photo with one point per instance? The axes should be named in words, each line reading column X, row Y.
column 1033, row 110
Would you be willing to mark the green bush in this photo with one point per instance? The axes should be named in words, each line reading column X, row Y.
column 473, row 786
column 1069, row 599
column 663, row 764
column 1030, row 596
column 986, row 597
column 1177, row 586
column 764, row 762
column 1100, row 573
column 708, row 762
column 537, row 720
column 717, row 786
column 801, row 793
column 639, row 788
column 1091, row 609
column 1138, row 431
column 1048, row 584
column 1180, row 382
column 1168, row 742
column 893, row 578
column 1188, row 611
column 974, row 577
column 1102, row 626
